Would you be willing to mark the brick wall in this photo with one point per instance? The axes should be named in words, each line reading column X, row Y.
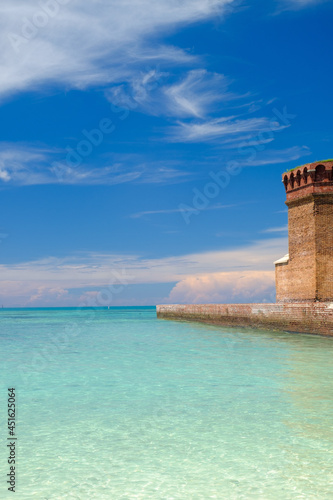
column 282, row 284
column 324, row 248
column 315, row 318
column 308, row 276
column 299, row 274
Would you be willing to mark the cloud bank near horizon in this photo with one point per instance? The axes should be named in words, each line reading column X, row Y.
column 243, row 273
column 227, row 287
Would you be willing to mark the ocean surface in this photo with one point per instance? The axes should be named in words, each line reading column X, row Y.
column 115, row 404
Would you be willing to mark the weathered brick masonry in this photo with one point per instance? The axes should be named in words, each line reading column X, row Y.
column 304, row 277
column 316, row 318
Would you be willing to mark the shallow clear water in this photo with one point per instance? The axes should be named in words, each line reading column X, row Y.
column 115, row 404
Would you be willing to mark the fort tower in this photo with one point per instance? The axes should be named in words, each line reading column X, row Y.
column 306, row 273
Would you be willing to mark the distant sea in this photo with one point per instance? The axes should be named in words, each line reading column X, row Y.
column 115, row 404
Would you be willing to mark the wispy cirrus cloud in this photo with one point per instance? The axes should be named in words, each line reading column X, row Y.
column 215, row 129
column 280, row 229
column 77, row 45
column 195, row 94
column 273, row 157
column 195, row 101
column 27, row 165
column 301, row 3
column 18, row 161
column 169, row 211
column 285, row 5
column 119, row 172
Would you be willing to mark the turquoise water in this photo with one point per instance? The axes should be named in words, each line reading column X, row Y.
column 115, row 404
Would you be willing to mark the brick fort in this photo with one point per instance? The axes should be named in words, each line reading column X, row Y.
column 303, row 277
column 306, row 273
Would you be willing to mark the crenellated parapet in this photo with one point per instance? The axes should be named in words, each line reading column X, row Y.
column 312, row 178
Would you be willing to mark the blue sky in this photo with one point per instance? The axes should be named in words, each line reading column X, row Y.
column 142, row 145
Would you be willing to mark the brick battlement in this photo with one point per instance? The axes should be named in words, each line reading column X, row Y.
column 310, row 179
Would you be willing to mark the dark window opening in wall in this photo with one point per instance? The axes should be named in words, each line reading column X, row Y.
column 305, row 175
column 320, row 173
column 292, row 181
column 298, row 178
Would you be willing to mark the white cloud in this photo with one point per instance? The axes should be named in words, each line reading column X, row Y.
column 26, row 165
column 161, row 172
column 18, row 161
column 4, row 175
column 286, row 5
column 273, row 157
column 79, row 44
column 194, row 95
column 48, row 277
column 280, row 229
column 47, row 295
column 245, row 141
column 168, row 211
column 248, row 286
column 195, row 99
column 302, row 3
column 217, row 128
